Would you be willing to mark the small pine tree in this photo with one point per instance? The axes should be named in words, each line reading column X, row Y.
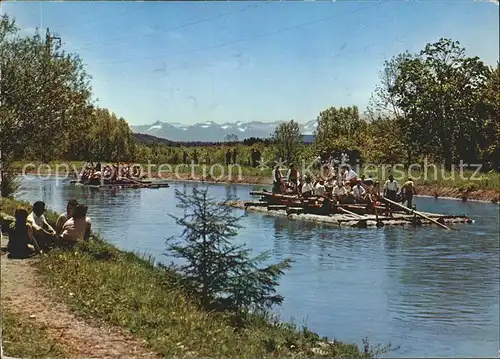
column 221, row 274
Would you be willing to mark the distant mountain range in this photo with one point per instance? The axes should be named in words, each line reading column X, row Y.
column 214, row 132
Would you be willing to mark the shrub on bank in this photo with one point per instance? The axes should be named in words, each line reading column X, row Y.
column 101, row 282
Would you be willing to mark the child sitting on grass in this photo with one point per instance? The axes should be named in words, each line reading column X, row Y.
column 77, row 228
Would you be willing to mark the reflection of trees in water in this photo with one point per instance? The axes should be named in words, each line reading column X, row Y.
column 323, row 240
column 439, row 276
column 231, row 192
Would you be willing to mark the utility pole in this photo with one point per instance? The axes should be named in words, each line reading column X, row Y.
column 48, row 43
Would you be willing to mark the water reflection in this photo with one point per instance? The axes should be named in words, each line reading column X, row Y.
column 433, row 292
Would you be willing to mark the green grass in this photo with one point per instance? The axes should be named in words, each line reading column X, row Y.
column 127, row 290
column 24, row 338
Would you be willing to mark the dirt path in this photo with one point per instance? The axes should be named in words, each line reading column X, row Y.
column 22, row 292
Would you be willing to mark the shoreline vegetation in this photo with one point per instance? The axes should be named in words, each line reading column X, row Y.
column 104, row 285
column 485, row 187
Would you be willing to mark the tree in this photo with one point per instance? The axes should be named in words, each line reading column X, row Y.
column 231, row 138
column 384, row 113
column 383, row 141
column 287, row 141
column 218, row 272
column 439, row 90
column 339, row 128
column 489, row 110
column 45, row 95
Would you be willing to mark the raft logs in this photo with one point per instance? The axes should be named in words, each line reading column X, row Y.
column 150, row 185
column 347, row 219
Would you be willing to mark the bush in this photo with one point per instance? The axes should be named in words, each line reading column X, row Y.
column 10, row 182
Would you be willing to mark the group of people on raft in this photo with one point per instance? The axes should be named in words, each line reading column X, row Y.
column 342, row 186
column 94, row 173
column 31, row 233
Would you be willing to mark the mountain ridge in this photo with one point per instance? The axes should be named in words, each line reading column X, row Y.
column 210, row 131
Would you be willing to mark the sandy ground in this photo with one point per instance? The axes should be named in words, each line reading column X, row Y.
column 23, row 292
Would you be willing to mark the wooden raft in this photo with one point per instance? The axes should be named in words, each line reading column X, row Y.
column 343, row 215
column 138, row 184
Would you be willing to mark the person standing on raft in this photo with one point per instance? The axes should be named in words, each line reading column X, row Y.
column 293, row 178
column 409, row 191
column 391, row 188
column 277, row 180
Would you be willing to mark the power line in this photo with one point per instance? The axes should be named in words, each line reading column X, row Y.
column 93, row 23
column 192, row 23
column 288, row 28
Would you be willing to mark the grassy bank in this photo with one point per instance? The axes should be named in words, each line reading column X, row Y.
column 482, row 186
column 101, row 283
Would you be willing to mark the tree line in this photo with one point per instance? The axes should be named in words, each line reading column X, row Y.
column 439, row 104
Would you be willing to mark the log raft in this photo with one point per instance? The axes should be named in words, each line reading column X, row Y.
column 120, row 184
column 348, row 219
column 343, row 215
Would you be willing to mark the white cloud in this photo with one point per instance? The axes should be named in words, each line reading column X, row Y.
column 27, row 31
column 496, row 2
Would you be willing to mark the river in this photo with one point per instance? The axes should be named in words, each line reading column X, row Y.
column 432, row 292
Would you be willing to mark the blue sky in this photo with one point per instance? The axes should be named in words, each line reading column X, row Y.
column 244, row 61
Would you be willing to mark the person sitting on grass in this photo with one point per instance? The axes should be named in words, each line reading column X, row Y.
column 77, row 228
column 43, row 232
column 63, row 217
column 20, row 235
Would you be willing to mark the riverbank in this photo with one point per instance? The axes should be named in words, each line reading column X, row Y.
column 101, row 285
column 485, row 188
column 471, row 193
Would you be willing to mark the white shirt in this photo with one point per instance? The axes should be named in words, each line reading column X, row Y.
column 319, row 190
column 339, row 191
column 358, row 191
column 38, row 222
column 350, row 175
column 391, row 186
column 307, row 187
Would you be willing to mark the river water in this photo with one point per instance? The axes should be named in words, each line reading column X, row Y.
column 432, row 292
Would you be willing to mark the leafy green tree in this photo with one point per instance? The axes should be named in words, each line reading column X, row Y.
column 339, row 128
column 221, row 274
column 383, row 141
column 489, row 110
column 45, row 94
column 439, row 91
column 287, row 141
column 386, row 115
